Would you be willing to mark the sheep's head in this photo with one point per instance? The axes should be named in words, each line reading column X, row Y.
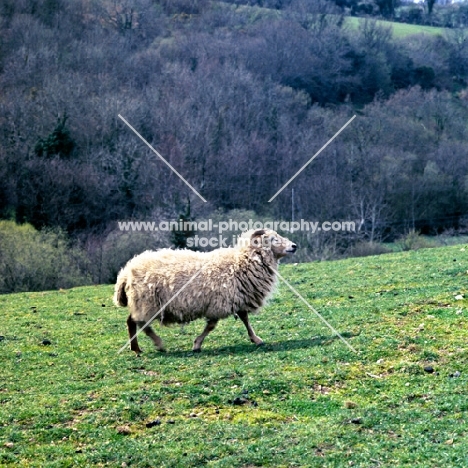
column 266, row 239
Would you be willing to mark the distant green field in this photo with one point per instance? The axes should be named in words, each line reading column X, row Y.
column 303, row 400
column 401, row 29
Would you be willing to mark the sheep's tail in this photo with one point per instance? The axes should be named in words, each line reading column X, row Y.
column 120, row 297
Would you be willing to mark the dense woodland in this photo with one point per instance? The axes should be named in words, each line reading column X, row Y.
column 237, row 97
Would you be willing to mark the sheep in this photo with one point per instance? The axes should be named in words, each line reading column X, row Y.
column 184, row 285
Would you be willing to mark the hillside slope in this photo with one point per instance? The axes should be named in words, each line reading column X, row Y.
column 304, row 399
column 401, row 29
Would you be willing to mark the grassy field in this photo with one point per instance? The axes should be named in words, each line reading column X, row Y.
column 400, row 29
column 304, row 399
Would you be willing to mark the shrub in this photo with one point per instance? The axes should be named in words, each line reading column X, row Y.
column 237, row 216
column 119, row 247
column 414, row 241
column 366, row 249
column 33, row 260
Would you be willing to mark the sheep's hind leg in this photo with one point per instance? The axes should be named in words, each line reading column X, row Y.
column 244, row 316
column 156, row 339
column 132, row 332
column 210, row 326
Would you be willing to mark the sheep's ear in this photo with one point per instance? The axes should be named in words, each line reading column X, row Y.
column 256, row 238
column 257, row 233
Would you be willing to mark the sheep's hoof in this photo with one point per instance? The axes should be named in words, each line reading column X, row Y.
column 198, row 350
column 162, row 350
column 257, row 341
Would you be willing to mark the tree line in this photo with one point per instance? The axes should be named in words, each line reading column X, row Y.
column 444, row 13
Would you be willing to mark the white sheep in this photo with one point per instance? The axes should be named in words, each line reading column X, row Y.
column 193, row 285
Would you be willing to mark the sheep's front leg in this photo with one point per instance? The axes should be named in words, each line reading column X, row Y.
column 132, row 333
column 156, row 339
column 210, row 326
column 244, row 316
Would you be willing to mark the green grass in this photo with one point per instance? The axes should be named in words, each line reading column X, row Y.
column 77, row 402
column 400, row 29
